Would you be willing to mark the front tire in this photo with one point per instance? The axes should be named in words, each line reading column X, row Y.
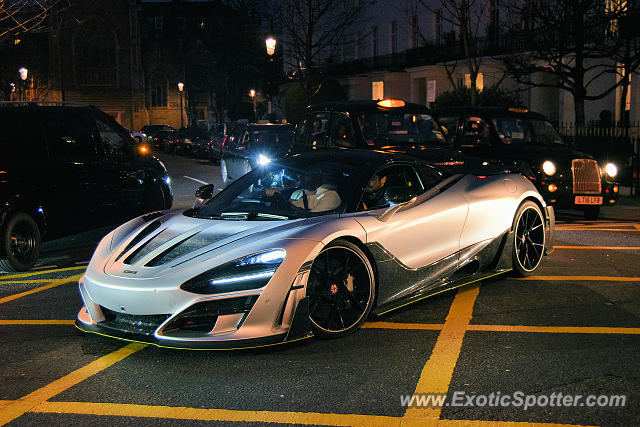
column 21, row 242
column 341, row 290
column 529, row 239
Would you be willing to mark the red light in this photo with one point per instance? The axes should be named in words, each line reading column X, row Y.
column 481, row 176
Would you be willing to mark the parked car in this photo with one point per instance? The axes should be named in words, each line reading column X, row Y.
column 138, row 137
column 161, row 137
column 193, row 141
column 250, row 145
column 390, row 125
column 68, row 169
column 565, row 177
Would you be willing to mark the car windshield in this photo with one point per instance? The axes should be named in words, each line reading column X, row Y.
column 280, row 192
column 519, row 130
column 271, row 137
column 400, row 128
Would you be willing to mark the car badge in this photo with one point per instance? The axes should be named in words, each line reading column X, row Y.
column 130, row 272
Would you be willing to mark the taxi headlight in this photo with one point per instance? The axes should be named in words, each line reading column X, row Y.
column 549, row 168
column 611, row 170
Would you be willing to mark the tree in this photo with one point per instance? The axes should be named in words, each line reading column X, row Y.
column 24, row 16
column 571, row 45
column 314, row 30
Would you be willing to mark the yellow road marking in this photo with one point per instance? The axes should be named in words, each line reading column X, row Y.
column 36, row 273
column 609, row 248
column 37, row 322
column 598, row 224
column 16, row 408
column 438, row 371
column 301, row 418
column 2, row 282
column 41, row 288
column 395, row 325
column 584, row 278
column 184, row 413
column 555, row 329
column 595, row 229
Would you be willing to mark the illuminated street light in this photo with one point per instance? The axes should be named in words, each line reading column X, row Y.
column 181, row 89
column 271, row 45
column 24, row 73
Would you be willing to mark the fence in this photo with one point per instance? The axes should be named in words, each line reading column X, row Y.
column 618, row 143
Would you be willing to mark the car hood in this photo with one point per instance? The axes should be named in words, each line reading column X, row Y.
column 431, row 153
column 151, row 249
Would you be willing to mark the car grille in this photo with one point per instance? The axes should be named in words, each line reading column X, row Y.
column 132, row 323
column 586, row 176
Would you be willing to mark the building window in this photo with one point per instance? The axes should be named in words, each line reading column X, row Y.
column 377, row 90
column 96, row 54
column 158, row 91
column 414, row 31
column 479, row 81
column 158, row 22
column 374, row 40
column 438, row 33
column 394, row 36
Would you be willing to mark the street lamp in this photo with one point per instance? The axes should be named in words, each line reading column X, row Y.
column 24, row 73
column 181, row 89
column 12, row 86
column 252, row 94
column 270, row 43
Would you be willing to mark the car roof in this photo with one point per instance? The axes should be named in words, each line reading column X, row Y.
column 493, row 111
column 366, row 106
column 365, row 160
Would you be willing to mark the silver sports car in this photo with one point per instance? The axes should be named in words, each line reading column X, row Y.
column 311, row 245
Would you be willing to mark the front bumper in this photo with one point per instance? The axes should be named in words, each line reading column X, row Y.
column 246, row 319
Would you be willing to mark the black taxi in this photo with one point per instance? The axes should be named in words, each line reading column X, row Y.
column 390, row 125
column 565, row 177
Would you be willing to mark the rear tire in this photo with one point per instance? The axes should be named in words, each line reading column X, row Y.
column 591, row 213
column 529, row 239
column 21, row 242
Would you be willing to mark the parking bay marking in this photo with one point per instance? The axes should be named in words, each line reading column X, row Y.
column 41, row 288
column 14, row 409
column 583, row 278
column 5, row 322
column 608, row 248
column 37, row 273
column 508, row 328
column 196, row 180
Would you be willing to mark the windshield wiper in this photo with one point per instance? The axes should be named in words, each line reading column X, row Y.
column 252, row 215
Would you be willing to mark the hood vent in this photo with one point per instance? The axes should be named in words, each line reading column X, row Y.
column 150, row 228
column 188, row 245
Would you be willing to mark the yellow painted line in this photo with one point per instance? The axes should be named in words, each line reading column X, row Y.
column 584, row 278
column 37, row 322
column 26, row 403
column 555, row 329
column 474, row 423
column 25, row 281
column 438, row 371
column 397, row 325
column 608, row 248
column 41, row 288
column 595, row 229
column 597, row 225
column 183, row 413
column 36, row 273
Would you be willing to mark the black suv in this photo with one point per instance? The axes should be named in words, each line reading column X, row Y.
column 565, row 177
column 386, row 125
column 67, row 169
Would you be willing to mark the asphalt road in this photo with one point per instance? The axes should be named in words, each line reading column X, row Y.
column 573, row 329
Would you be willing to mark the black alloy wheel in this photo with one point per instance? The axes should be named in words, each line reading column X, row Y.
column 341, row 289
column 529, row 235
column 21, row 243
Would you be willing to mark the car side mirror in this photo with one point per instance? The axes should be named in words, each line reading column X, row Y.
column 398, row 194
column 203, row 194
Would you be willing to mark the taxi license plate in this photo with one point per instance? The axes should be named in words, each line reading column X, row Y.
column 588, row 200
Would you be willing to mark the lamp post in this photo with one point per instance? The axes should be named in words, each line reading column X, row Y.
column 24, row 73
column 270, row 43
column 181, row 89
column 252, row 94
column 12, row 86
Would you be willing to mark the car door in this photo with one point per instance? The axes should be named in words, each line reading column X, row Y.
column 121, row 175
column 236, row 158
column 78, row 202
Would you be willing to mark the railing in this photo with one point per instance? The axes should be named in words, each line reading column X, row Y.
column 618, row 143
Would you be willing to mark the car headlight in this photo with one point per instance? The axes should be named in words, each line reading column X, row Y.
column 263, row 160
column 611, row 170
column 549, row 168
column 249, row 272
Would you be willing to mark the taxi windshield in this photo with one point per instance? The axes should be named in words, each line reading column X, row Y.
column 519, row 130
column 383, row 128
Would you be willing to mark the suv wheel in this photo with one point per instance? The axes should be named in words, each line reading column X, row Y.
column 21, row 242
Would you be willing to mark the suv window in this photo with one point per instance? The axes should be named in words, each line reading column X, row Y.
column 67, row 135
column 113, row 142
column 342, row 131
column 21, row 135
column 319, row 130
